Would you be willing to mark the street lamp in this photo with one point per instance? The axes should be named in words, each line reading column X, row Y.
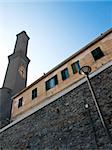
column 86, row 71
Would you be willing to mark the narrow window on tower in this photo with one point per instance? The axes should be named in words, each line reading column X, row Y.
column 97, row 53
column 65, row 74
column 75, row 67
column 34, row 93
column 20, row 102
column 51, row 82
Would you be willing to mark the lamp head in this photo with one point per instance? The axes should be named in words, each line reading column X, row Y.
column 85, row 70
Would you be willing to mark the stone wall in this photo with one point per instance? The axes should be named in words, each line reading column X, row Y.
column 66, row 124
column 5, row 104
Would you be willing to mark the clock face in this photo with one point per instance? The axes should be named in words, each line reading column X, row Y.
column 22, row 71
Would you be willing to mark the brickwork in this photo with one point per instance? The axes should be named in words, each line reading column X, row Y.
column 66, row 124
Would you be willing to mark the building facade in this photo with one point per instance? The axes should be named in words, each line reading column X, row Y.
column 95, row 54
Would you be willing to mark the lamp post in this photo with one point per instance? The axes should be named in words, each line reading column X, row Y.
column 86, row 71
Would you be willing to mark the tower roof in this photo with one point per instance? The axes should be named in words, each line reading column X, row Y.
column 23, row 33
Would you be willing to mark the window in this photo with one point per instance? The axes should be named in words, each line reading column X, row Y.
column 20, row 102
column 65, row 74
column 34, row 93
column 75, row 67
column 97, row 53
column 51, row 82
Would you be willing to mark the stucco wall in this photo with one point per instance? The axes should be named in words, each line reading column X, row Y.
column 66, row 124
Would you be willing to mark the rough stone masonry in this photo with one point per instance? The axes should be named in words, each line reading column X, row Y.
column 66, row 124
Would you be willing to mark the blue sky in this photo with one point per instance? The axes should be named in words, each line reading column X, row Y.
column 57, row 29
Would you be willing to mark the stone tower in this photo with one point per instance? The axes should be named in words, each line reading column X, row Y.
column 16, row 74
column 15, row 78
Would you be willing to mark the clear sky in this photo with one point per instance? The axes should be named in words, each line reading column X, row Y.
column 57, row 29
